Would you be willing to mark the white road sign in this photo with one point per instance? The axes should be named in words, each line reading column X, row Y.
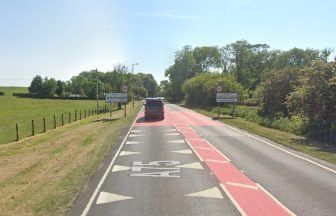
column 116, row 97
column 227, row 97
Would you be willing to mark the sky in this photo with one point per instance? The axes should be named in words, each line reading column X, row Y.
column 61, row 38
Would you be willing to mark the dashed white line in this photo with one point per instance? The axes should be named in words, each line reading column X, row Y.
column 233, row 200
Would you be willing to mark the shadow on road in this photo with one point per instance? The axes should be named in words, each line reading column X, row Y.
column 143, row 120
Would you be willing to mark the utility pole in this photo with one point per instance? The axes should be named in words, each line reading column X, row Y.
column 97, row 91
column 132, row 81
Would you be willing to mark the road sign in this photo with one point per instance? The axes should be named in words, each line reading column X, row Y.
column 227, row 97
column 218, row 88
column 116, row 97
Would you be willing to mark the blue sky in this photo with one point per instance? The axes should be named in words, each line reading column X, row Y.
column 64, row 37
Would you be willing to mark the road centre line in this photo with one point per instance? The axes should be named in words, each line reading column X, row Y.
column 88, row 206
column 270, row 144
column 216, row 150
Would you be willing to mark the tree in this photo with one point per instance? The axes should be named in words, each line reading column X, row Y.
column 165, row 88
column 36, row 85
column 49, row 87
column 60, row 88
column 315, row 99
column 206, row 57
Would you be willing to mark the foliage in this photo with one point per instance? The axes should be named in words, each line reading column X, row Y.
column 315, row 99
column 36, row 85
column 201, row 89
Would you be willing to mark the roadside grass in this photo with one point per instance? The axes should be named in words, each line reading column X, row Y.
column 24, row 110
column 314, row 148
column 42, row 175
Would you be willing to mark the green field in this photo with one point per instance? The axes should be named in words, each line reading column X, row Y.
column 23, row 110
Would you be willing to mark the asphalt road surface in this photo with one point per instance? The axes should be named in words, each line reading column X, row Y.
column 188, row 164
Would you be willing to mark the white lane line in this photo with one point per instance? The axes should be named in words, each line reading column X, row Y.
column 195, row 165
column 88, row 206
column 217, row 150
column 199, row 157
column 170, row 130
column 132, row 143
column 233, row 200
column 135, row 135
column 205, row 148
column 209, row 193
column 172, row 134
column 177, row 141
column 105, row 197
column 184, row 151
column 242, row 185
column 277, row 201
column 117, row 168
column 217, row 161
column 192, row 128
column 136, row 131
column 281, row 149
column 124, row 153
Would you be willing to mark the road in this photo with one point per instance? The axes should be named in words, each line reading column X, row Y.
column 188, row 164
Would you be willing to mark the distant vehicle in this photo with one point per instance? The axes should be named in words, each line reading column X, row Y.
column 154, row 108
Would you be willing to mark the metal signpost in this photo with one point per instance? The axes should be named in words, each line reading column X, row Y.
column 230, row 98
column 115, row 98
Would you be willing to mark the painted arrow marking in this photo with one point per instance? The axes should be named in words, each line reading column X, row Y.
column 177, row 141
column 132, row 142
column 195, row 165
column 185, row 151
column 122, row 153
column 209, row 193
column 105, row 197
column 117, row 168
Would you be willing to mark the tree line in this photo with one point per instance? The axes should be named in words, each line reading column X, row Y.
column 296, row 84
column 84, row 84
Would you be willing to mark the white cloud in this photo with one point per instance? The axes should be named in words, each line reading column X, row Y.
column 168, row 15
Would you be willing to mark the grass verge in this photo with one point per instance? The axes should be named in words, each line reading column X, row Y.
column 316, row 149
column 41, row 175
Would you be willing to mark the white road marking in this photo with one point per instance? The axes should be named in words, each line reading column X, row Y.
column 217, row 150
column 184, row 151
column 88, row 206
column 105, row 197
column 209, row 193
column 135, row 135
column 205, row 148
column 195, row 165
column 172, row 134
column 199, row 157
column 277, row 201
column 170, row 130
column 177, row 141
column 281, row 149
column 242, row 185
column 136, row 131
column 123, row 153
column 117, row 168
column 216, row 161
column 159, row 174
column 233, row 200
column 132, row 142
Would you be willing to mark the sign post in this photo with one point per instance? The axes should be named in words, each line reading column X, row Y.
column 231, row 98
column 218, row 89
column 116, row 98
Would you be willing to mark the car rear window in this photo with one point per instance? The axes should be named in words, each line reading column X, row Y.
column 154, row 103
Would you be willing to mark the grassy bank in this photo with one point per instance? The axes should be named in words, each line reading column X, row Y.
column 24, row 110
column 41, row 175
column 314, row 148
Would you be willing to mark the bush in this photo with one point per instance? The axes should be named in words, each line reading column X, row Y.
column 2, row 93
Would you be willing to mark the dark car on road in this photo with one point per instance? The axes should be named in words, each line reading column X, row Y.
column 154, row 108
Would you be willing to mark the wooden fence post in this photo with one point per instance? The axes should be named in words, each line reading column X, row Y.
column 69, row 117
column 80, row 114
column 62, row 119
column 33, row 128
column 84, row 114
column 75, row 115
column 44, row 125
column 125, row 109
column 17, row 131
column 55, row 122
